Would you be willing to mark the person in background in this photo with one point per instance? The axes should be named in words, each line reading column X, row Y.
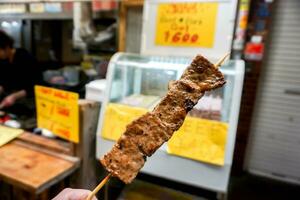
column 18, row 72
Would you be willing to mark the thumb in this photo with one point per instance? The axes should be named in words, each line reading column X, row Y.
column 2, row 104
column 5, row 103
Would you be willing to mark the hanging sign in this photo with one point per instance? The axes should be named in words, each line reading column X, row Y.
column 117, row 117
column 200, row 139
column 186, row 24
column 58, row 111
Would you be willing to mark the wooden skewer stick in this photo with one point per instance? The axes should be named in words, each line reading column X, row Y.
column 101, row 184
column 222, row 60
column 106, row 179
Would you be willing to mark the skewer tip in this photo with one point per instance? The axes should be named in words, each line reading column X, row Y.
column 101, row 184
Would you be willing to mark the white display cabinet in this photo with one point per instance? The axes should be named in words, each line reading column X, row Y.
column 138, row 80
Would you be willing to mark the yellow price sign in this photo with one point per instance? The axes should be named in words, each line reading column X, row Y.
column 200, row 139
column 58, row 111
column 117, row 117
column 186, row 24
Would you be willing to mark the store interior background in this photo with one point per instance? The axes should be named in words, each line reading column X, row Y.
column 267, row 137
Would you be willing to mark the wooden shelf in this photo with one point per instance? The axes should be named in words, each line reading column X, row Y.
column 58, row 16
column 40, row 16
column 30, row 163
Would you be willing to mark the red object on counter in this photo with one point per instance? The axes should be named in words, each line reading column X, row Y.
column 100, row 5
column 4, row 119
column 254, row 51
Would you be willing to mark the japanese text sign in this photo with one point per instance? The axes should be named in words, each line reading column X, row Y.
column 58, row 111
column 186, row 24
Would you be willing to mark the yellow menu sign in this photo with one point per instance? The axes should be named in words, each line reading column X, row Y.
column 197, row 139
column 7, row 134
column 117, row 117
column 58, row 111
column 186, row 24
column 200, row 139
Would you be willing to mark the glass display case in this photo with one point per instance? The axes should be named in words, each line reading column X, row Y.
column 136, row 83
column 136, row 78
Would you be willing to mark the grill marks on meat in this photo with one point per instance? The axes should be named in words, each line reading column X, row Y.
column 147, row 133
column 140, row 132
column 124, row 160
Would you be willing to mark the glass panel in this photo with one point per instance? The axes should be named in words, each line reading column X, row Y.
column 155, row 81
column 141, row 81
column 215, row 105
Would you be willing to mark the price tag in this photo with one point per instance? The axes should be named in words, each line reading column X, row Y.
column 117, row 117
column 186, row 24
column 57, row 111
column 200, row 139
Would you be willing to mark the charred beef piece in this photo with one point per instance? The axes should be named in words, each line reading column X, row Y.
column 147, row 133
